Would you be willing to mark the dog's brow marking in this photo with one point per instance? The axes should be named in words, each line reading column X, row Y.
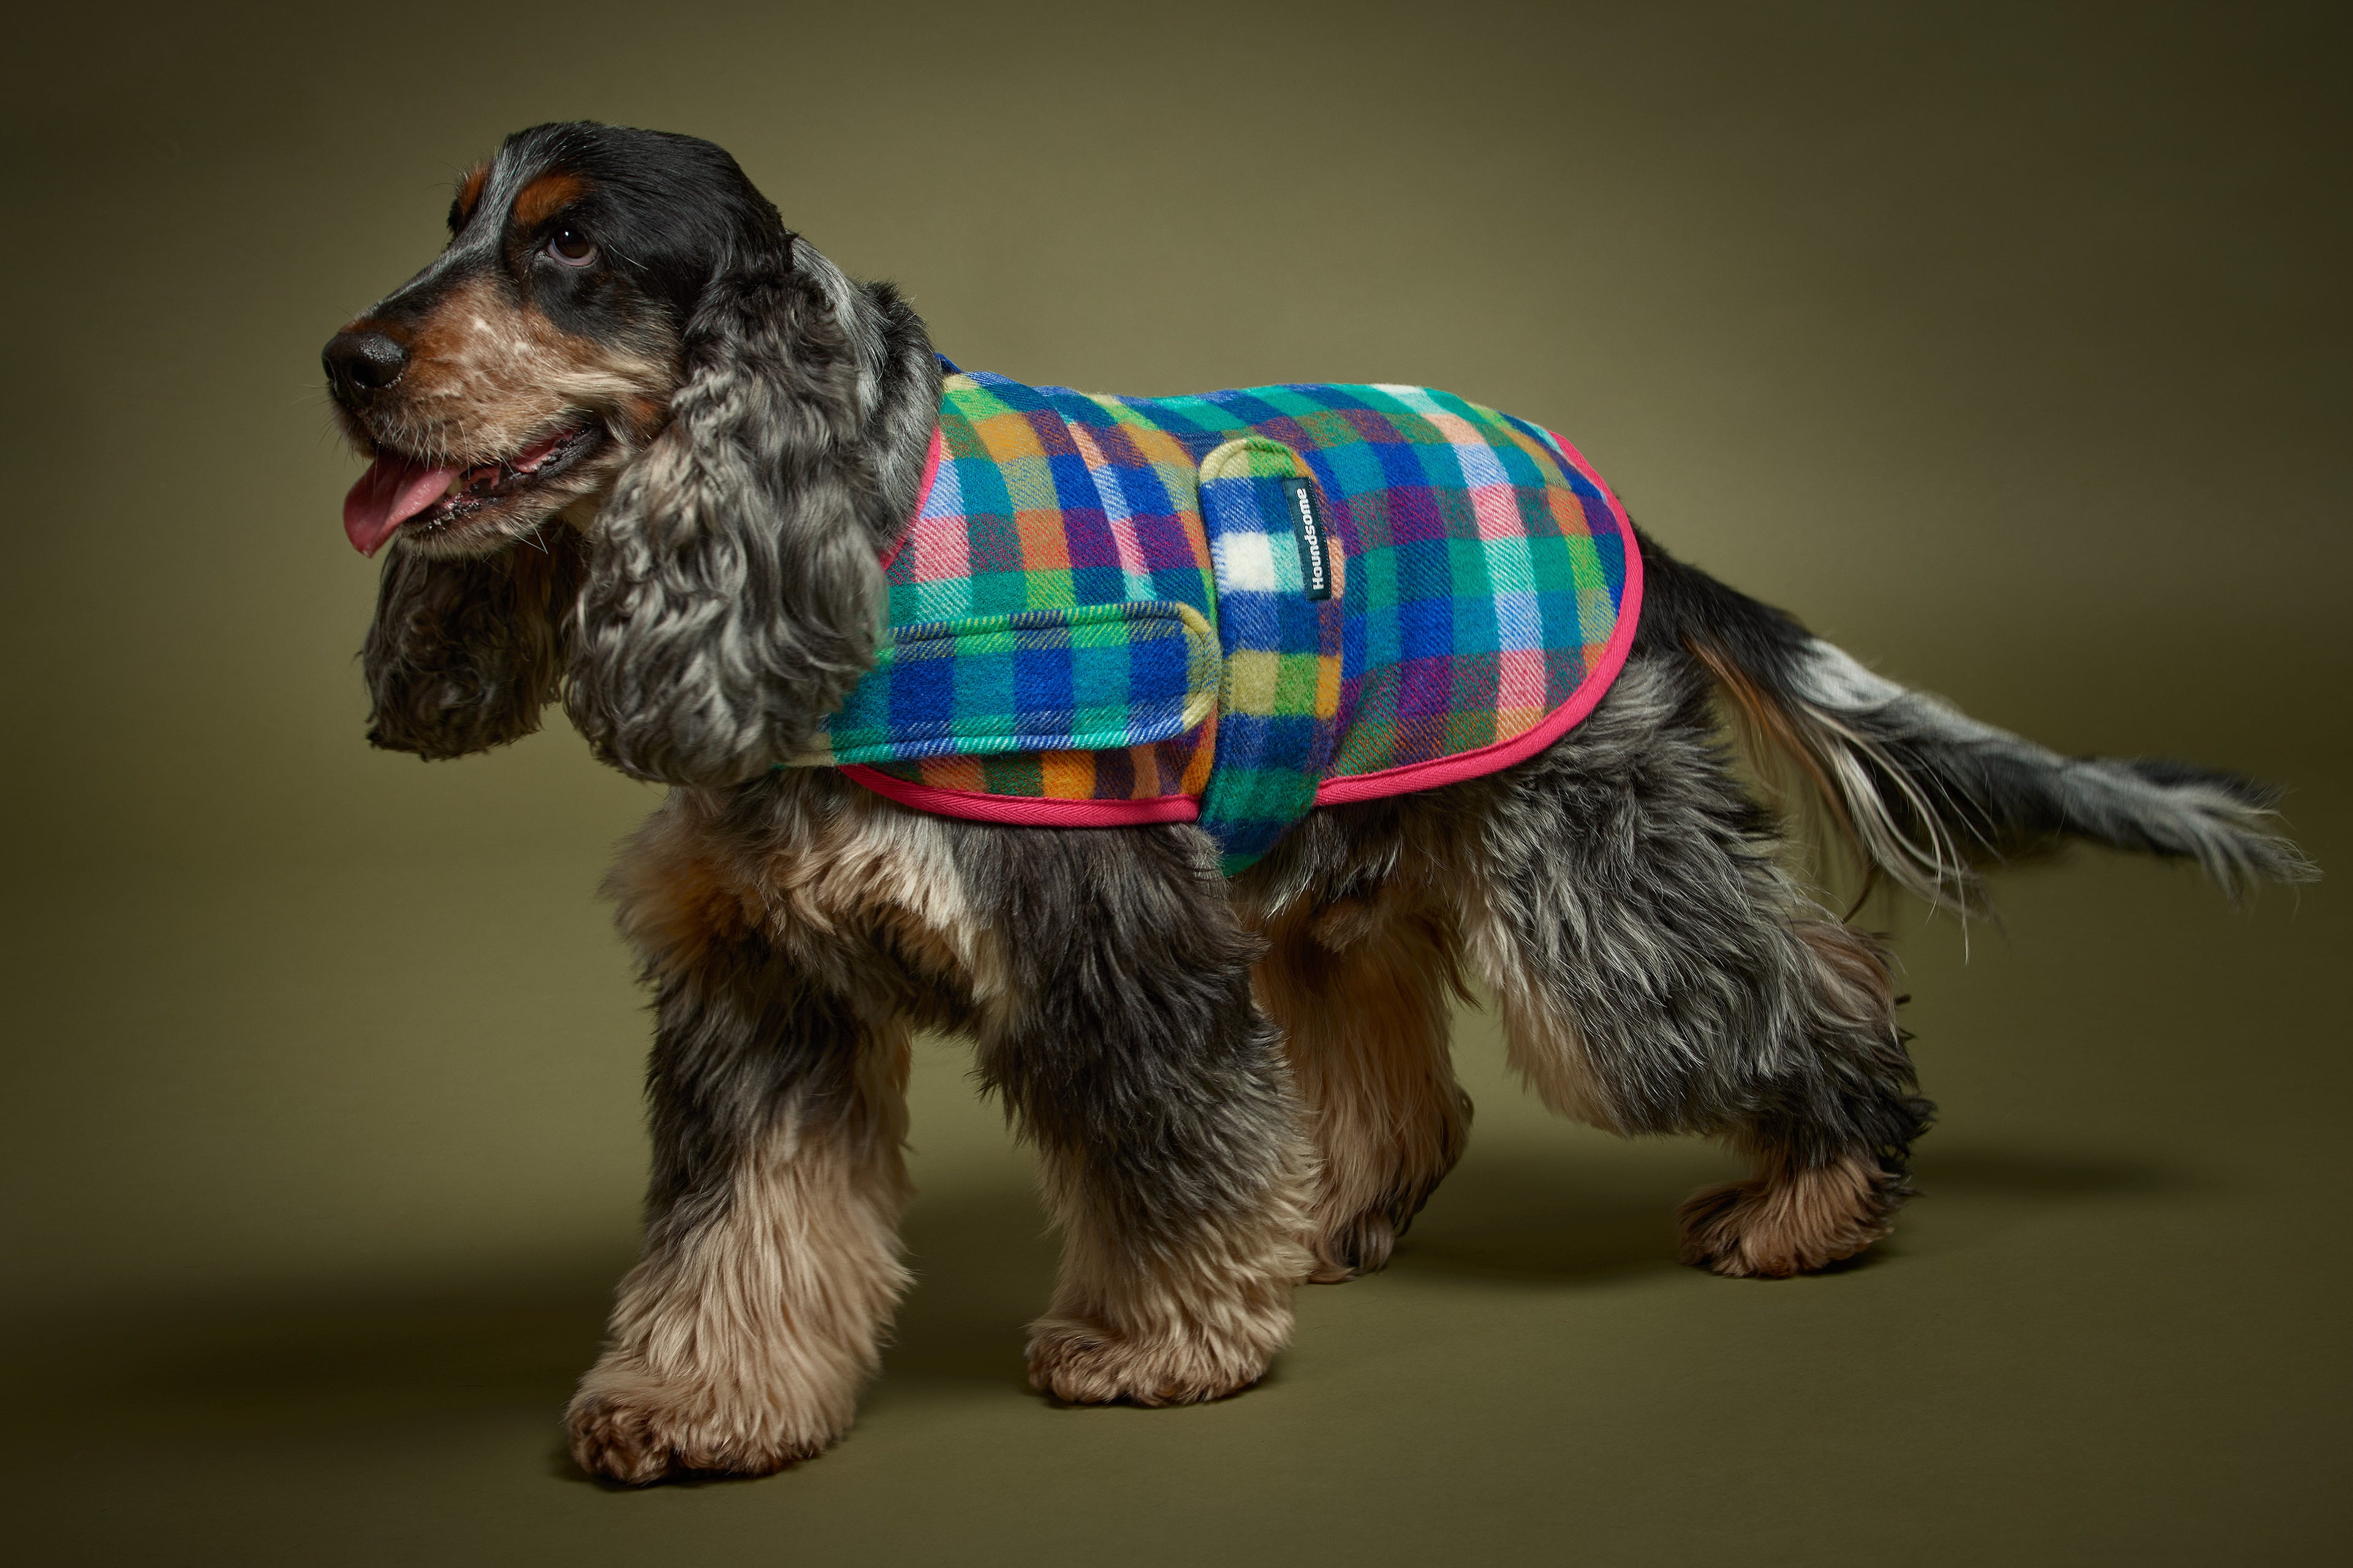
column 546, row 196
column 469, row 191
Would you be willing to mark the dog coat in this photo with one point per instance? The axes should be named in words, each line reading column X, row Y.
column 1231, row 608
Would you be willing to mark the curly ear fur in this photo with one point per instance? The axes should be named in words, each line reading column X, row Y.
column 464, row 654
column 734, row 593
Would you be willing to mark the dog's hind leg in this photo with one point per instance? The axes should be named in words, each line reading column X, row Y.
column 1829, row 1138
column 1658, row 971
column 1360, row 989
column 1129, row 1051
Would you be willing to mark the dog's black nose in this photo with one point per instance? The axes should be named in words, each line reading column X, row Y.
column 361, row 362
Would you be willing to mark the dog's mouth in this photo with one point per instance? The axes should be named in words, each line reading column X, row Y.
column 400, row 490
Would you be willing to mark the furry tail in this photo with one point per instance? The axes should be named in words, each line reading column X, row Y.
column 1931, row 796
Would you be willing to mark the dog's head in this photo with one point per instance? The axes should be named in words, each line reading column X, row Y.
column 537, row 355
column 633, row 441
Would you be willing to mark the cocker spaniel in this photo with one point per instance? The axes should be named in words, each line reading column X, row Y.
column 1183, row 753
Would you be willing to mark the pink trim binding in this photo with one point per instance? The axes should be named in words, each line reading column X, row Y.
column 1032, row 811
column 923, row 494
column 1027, row 810
column 1463, row 765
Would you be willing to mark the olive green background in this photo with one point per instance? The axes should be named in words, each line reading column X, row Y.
column 2006, row 344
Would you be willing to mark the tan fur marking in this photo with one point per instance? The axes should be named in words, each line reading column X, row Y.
column 1770, row 730
column 1774, row 741
column 1786, row 1219
column 546, row 197
column 1168, row 1326
column 742, row 1349
column 487, row 375
column 860, row 875
column 469, row 190
column 676, row 901
column 1361, row 995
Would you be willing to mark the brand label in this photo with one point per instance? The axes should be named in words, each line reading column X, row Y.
column 1308, row 523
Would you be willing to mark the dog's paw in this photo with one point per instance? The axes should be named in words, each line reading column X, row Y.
column 1792, row 1223
column 637, row 1430
column 1080, row 1362
column 1359, row 1244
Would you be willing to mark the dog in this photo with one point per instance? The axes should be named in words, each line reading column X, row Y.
column 637, row 448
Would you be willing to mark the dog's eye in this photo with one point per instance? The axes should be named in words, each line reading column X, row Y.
column 572, row 248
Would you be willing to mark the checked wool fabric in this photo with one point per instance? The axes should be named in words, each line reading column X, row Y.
column 1231, row 607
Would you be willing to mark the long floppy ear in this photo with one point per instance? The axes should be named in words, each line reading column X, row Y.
column 464, row 654
column 733, row 593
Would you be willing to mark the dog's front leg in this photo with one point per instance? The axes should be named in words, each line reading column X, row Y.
column 739, row 1342
column 1133, row 1055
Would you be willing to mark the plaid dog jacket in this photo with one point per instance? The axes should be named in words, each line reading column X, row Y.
column 1233, row 608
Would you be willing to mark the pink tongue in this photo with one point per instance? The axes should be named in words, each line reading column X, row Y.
column 392, row 491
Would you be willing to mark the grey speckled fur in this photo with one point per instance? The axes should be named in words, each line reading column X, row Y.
column 734, row 598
